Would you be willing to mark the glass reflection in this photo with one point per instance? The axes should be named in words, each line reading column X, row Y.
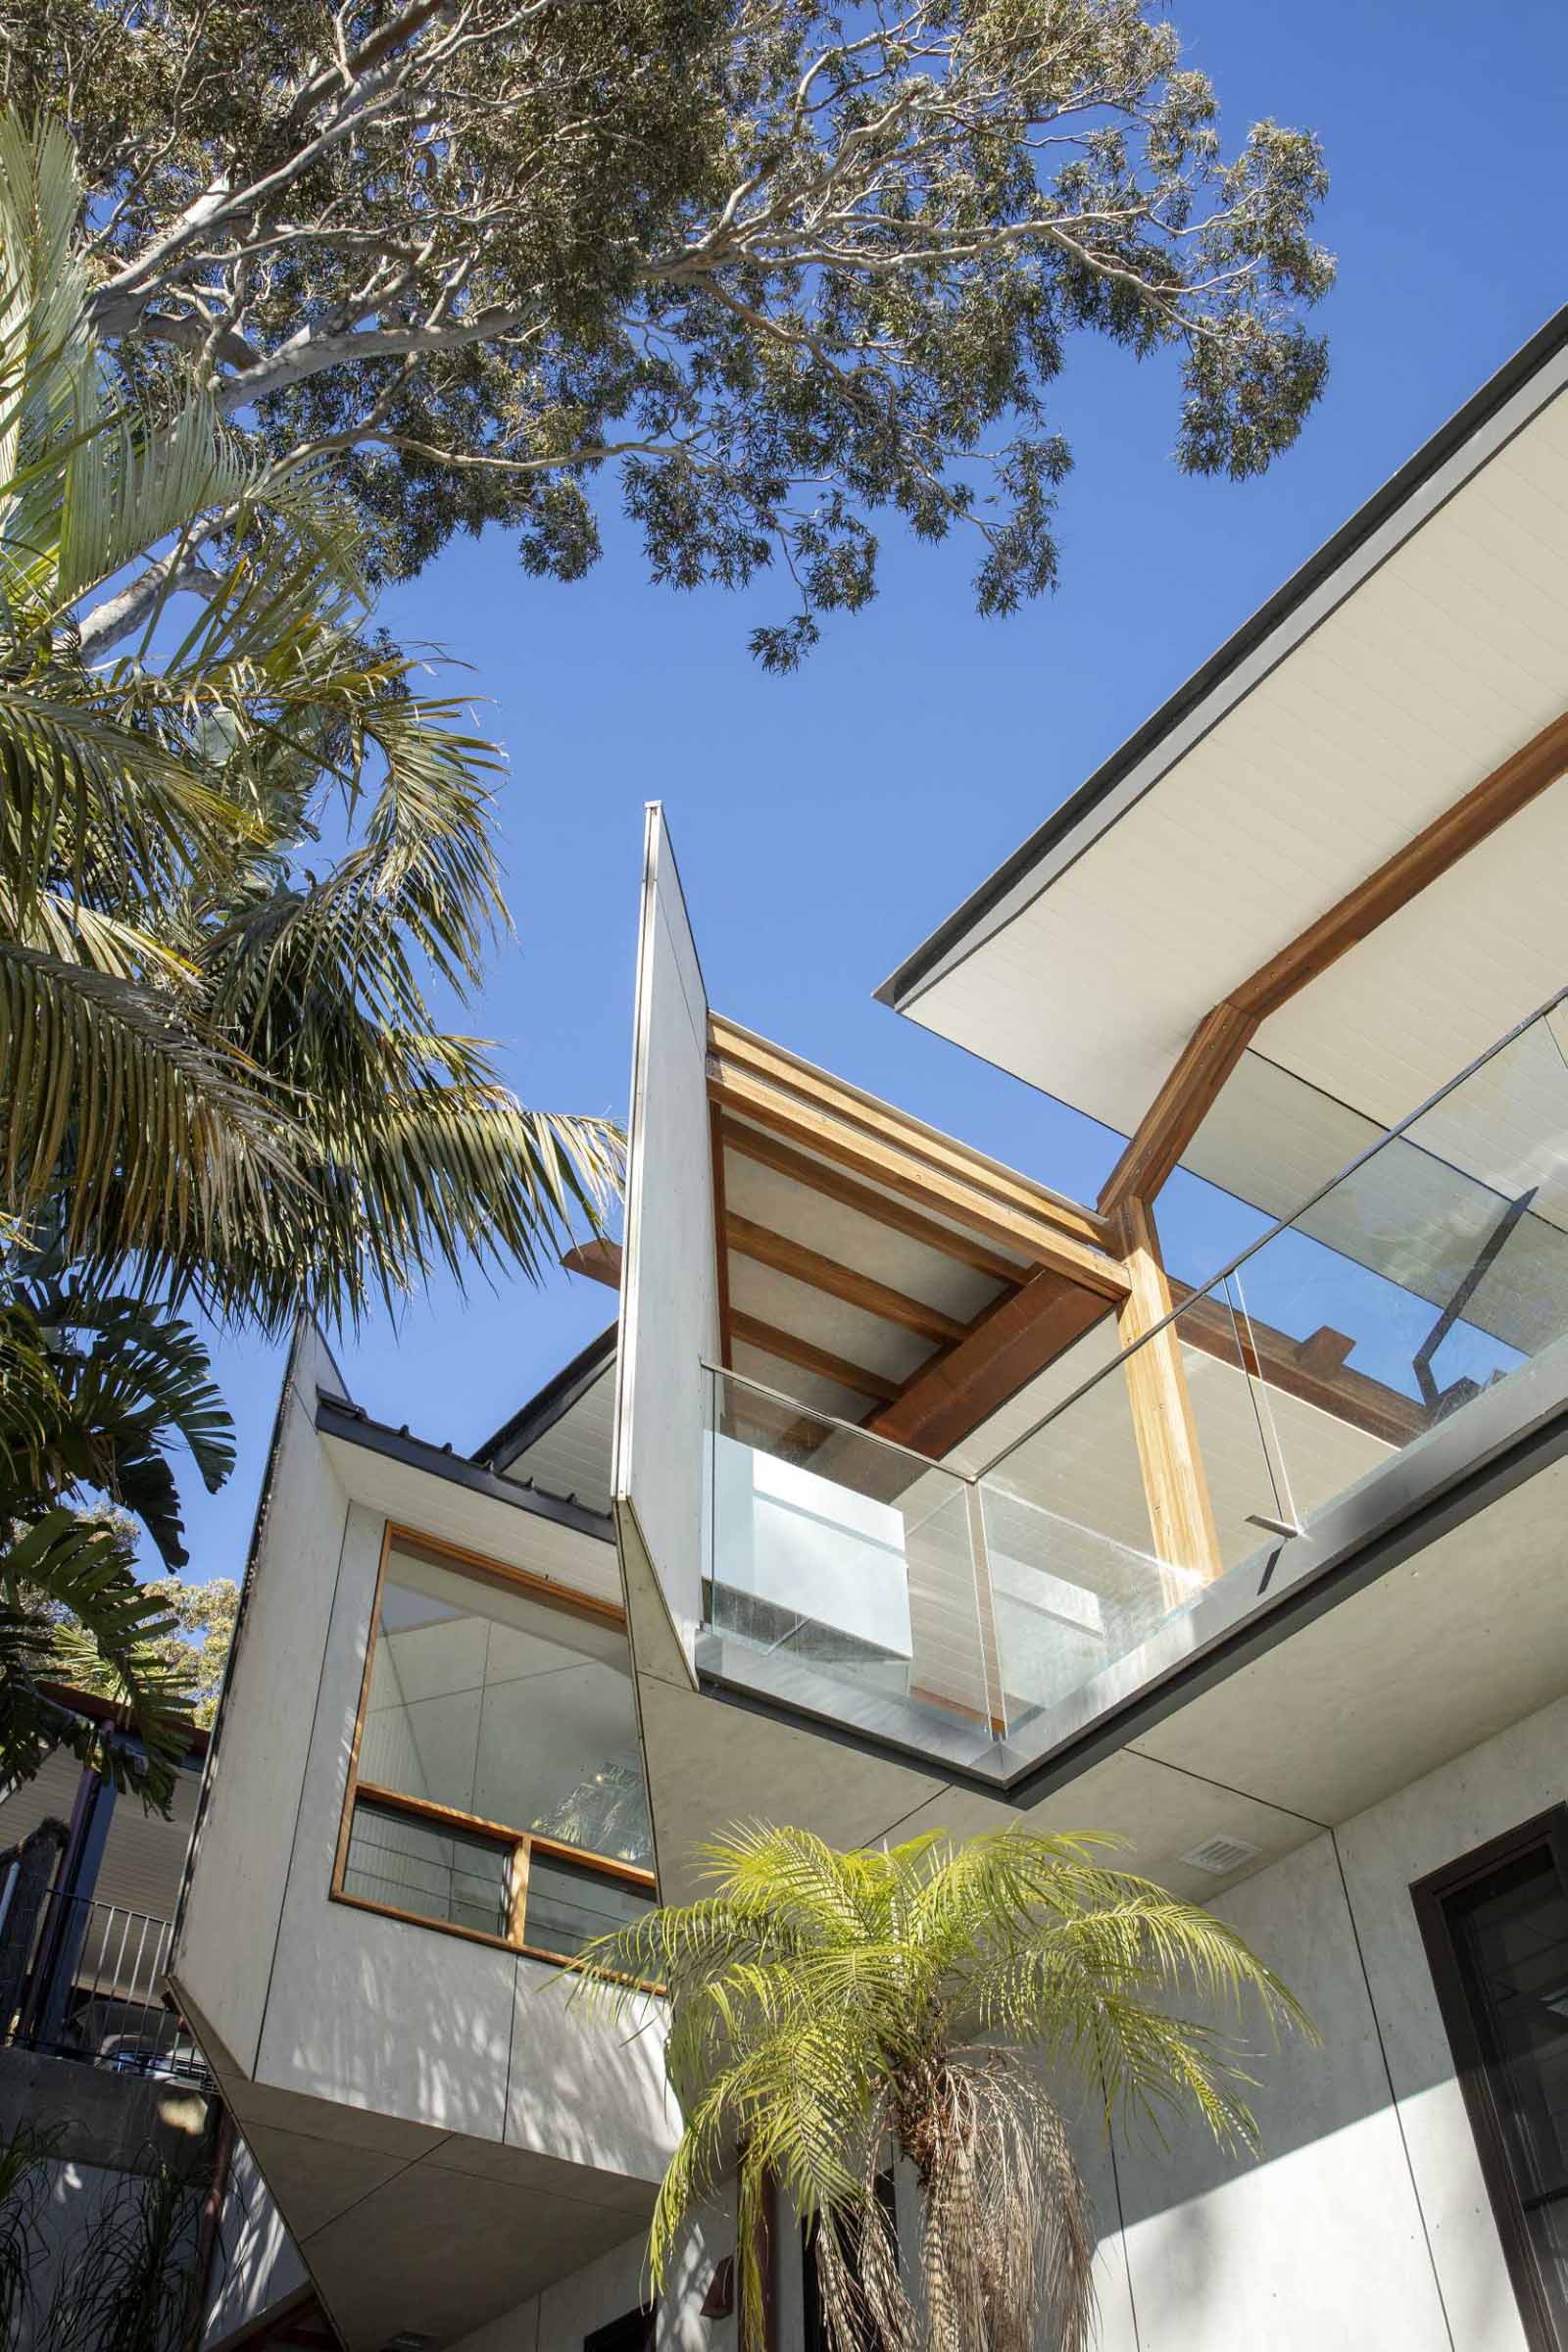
column 506, row 1707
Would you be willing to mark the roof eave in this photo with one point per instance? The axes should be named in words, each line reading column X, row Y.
column 954, row 935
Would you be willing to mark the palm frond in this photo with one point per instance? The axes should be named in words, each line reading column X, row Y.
column 77, row 782
column 827, row 2010
column 66, row 1561
column 149, row 1128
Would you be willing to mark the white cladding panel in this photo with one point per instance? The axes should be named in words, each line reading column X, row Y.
column 573, row 1455
column 810, row 1545
column 1338, row 748
column 245, row 1840
column 1363, row 2223
column 256, row 2263
column 669, row 1297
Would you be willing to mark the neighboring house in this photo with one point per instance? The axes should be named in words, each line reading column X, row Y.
column 913, row 1495
column 93, row 2054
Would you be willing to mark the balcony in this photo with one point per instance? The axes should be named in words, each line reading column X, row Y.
column 1395, row 1335
column 91, row 1988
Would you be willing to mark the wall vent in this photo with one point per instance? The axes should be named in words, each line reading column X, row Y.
column 1221, row 1855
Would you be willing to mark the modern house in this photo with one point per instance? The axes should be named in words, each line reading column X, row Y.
column 906, row 1493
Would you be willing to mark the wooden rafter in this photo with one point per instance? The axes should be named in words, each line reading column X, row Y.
column 879, row 1299
column 1222, row 1037
column 600, row 1260
column 773, row 1102
column 716, row 1150
column 1312, row 1369
column 897, row 1129
column 1003, row 1348
column 787, row 1349
column 768, row 1151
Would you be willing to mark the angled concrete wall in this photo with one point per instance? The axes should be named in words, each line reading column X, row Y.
column 1367, row 2221
column 670, row 1295
column 255, row 2263
column 243, row 1848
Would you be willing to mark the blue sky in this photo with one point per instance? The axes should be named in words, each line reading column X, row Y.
column 825, row 822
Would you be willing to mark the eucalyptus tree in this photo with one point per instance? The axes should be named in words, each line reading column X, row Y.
column 830, row 2012
column 777, row 268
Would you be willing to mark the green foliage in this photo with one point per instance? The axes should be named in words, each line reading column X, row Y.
column 93, row 1393
column 224, row 1076
column 129, row 2289
column 192, row 1649
column 26, row 2159
column 129, row 2284
column 783, row 268
column 196, row 1653
column 828, row 2010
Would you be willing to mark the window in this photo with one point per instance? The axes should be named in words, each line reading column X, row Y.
column 1496, row 1927
column 497, row 1788
column 632, row 2332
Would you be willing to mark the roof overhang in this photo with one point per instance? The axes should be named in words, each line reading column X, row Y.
column 435, row 1493
column 1401, row 669
column 535, row 1419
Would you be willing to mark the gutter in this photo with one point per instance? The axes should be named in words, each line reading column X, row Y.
column 353, row 1426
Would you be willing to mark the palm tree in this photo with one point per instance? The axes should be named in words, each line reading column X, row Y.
column 830, row 2011
column 231, row 862
column 234, row 860
column 95, row 1393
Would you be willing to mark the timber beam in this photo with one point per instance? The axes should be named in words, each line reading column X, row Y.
column 769, row 1090
column 1223, row 1035
column 1006, row 1347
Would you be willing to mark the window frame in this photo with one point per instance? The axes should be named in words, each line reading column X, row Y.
column 522, row 1844
column 1544, row 1832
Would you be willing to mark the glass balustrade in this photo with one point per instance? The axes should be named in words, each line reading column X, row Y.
column 846, row 1564
column 959, row 1612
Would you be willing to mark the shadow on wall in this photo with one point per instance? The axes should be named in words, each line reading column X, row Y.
column 409, row 2021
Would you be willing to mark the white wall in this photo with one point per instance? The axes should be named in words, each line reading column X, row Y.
column 617, row 2282
column 1478, row 1797
column 255, row 2262
column 223, row 1957
column 668, row 1296
column 1367, row 2221
column 384, row 2016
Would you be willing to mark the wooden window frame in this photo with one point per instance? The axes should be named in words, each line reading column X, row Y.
column 521, row 1844
column 1431, row 1896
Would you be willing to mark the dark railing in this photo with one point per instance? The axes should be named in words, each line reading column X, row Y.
column 93, row 1989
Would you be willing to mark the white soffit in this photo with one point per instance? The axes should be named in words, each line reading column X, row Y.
column 1430, row 650
column 513, row 1537
column 571, row 1457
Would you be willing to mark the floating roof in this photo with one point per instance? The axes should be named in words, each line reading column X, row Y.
column 559, row 1440
column 1416, row 653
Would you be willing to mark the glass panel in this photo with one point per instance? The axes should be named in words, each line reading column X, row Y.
column 845, row 1555
column 1510, row 1933
column 568, row 1904
column 1068, row 1601
column 418, row 1866
column 498, row 1704
column 1431, row 1269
